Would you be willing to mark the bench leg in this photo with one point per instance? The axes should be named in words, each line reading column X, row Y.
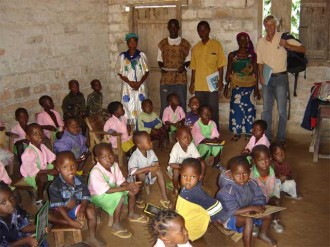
column 59, row 239
column 77, row 236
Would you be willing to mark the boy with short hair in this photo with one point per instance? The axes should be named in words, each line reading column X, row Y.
column 95, row 99
column 143, row 166
column 239, row 194
column 182, row 149
column 69, row 197
column 194, row 204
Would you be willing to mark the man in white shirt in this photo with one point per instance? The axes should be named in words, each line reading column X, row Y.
column 272, row 52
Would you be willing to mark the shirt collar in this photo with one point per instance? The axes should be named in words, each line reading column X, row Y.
column 175, row 41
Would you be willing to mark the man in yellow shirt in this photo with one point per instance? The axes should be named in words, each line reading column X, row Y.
column 207, row 62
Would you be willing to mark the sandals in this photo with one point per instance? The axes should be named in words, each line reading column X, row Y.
column 140, row 204
column 142, row 219
column 235, row 138
column 166, row 204
column 122, row 233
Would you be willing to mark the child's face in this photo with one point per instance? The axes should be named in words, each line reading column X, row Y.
column 278, row 155
column 177, row 233
column 174, row 101
column 97, row 87
column 145, row 143
column 203, row 32
column 106, row 158
column 205, row 116
column 184, row 138
column 120, row 111
column 48, row 104
column 240, row 174
column 22, row 118
column 189, row 177
column 7, row 203
column 73, row 127
column 194, row 104
column 147, row 107
column 262, row 161
column 36, row 136
column 74, row 88
column 68, row 168
column 257, row 131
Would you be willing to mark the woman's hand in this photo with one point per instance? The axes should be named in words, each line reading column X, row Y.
column 226, row 91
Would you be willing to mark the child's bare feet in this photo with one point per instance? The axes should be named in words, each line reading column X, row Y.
column 95, row 242
column 267, row 239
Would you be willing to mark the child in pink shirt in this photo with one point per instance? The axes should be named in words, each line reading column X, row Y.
column 173, row 115
column 258, row 136
column 109, row 189
column 4, row 175
column 117, row 125
column 49, row 119
column 37, row 168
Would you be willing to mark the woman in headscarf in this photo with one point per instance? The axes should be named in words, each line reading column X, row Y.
column 242, row 78
column 132, row 67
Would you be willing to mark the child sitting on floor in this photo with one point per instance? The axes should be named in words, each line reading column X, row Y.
column 258, row 136
column 283, row 171
column 110, row 190
column 173, row 115
column 263, row 173
column 117, row 125
column 15, row 229
column 37, row 167
column 143, row 166
column 239, row 194
column 192, row 116
column 168, row 227
column 74, row 141
column 149, row 121
column 20, row 142
column 49, row 119
column 184, row 148
column 194, row 204
column 206, row 137
column 70, row 199
column 95, row 99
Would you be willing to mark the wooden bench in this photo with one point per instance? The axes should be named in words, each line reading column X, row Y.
column 22, row 185
column 58, row 231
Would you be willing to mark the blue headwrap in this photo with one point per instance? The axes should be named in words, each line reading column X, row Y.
column 131, row 35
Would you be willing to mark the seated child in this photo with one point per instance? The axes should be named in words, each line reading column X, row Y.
column 37, row 167
column 95, row 99
column 239, row 194
column 206, row 136
column 15, row 229
column 4, row 175
column 20, row 142
column 73, row 140
column 184, row 148
column 263, row 173
column 117, row 125
column 192, row 116
column 258, row 136
column 110, row 191
column 169, row 229
column 70, row 199
column 73, row 104
column 194, row 204
column 49, row 119
column 173, row 115
column 143, row 166
column 150, row 122
column 283, row 170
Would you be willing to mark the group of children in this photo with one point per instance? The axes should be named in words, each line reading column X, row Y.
column 247, row 186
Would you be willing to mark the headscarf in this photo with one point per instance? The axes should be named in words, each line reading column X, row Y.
column 131, row 35
column 250, row 46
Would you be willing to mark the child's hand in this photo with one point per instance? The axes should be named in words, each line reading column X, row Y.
column 154, row 168
column 257, row 209
column 53, row 172
column 76, row 224
column 81, row 215
column 31, row 241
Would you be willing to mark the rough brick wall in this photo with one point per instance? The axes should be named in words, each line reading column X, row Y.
column 47, row 43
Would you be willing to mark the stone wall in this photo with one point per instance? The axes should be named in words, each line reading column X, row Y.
column 47, row 43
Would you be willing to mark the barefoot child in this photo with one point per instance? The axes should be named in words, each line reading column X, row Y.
column 15, row 229
column 143, row 166
column 173, row 115
column 110, row 191
column 37, row 166
column 192, row 116
column 283, row 171
column 169, row 229
column 239, row 194
column 258, row 136
column 184, row 148
column 194, row 204
column 263, row 173
column 70, row 199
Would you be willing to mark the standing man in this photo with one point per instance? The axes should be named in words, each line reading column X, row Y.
column 173, row 58
column 207, row 59
column 271, row 52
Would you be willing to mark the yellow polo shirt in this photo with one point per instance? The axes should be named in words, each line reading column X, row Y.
column 205, row 60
